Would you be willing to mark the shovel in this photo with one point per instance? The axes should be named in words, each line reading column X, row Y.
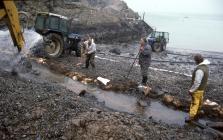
column 132, row 65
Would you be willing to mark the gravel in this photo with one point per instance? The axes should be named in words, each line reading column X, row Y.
column 175, row 81
column 38, row 110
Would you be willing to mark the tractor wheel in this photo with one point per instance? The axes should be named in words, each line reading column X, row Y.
column 79, row 50
column 54, row 45
column 157, row 47
column 164, row 48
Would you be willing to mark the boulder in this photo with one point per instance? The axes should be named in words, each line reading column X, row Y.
column 142, row 103
column 168, row 99
column 115, row 51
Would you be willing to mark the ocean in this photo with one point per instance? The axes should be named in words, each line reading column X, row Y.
column 195, row 32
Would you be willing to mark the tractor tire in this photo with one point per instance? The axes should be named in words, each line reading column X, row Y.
column 54, row 46
column 157, row 47
column 79, row 50
column 163, row 47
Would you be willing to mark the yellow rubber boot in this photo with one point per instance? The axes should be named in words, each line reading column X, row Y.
column 196, row 103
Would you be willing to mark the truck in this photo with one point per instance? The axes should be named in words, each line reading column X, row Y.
column 57, row 37
column 158, row 40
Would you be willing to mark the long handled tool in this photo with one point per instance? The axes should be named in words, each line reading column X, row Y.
column 219, row 133
column 132, row 65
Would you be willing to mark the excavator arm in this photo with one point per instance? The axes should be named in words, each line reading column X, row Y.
column 9, row 14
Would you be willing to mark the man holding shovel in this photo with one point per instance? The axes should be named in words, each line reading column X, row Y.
column 144, row 59
column 144, row 54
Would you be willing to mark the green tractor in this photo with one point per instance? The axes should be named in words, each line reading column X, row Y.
column 158, row 40
column 57, row 37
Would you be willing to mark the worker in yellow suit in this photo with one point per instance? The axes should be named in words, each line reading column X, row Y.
column 198, row 86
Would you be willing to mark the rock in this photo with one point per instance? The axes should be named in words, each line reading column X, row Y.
column 115, row 51
column 210, row 103
column 19, row 104
column 168, row 99
column 177, row 103
column 37, row 113
column 35, row 72
column 25, row 127
column 14, row 72
column 74, row 78
column 82, row 93
column 131, row 54
column 171, row 63
column 103, row 81
column 27, row 115
column 221, row 114
column 158, row 91
column 38, row 137
column 76, row 122
column 145, row 89
column 142, row 103
column 215, row 124
column 98, row 111
column 117, row 113
column 24, row 65
column 84, row 82
column 125, row 45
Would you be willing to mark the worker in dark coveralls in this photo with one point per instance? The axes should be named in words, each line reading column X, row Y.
column 198, row 86
column 144, row 59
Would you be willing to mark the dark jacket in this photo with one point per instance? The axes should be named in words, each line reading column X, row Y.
column 204, row 80
column 145, row 56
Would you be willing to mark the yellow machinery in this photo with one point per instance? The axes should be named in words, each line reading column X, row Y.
column 9, row 14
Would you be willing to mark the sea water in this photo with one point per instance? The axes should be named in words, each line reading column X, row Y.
column 196, row 32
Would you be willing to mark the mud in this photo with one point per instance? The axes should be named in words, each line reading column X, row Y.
column 113, row 100
column 178, row 103
column 45, row 110
column 165, row 78
column 126, row 103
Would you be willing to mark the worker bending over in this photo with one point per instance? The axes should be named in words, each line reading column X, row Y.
column 90, row 54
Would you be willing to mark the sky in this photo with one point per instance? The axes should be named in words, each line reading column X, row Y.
column 210, row 7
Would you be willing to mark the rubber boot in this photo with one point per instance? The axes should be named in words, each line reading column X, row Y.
column 189, row 119
column 144, row 80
